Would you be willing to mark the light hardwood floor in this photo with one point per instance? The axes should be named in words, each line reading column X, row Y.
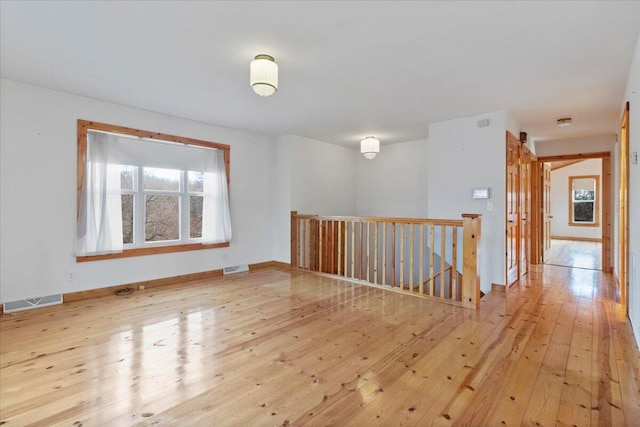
column 572, row 253
column 287, row 348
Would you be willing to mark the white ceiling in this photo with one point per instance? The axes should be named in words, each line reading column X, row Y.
column 347, row 69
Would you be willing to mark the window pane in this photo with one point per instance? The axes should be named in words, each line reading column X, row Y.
column 127, row 218
column 583, row 212
column 195, row 182
column 161, row 179
column 162, row 218
column 195, row 217
column 584, row 195
column 126, row 177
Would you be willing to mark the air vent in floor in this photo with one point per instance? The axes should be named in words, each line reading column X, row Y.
column 236, row 269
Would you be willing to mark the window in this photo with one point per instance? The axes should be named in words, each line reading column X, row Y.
column 144, row 193
column 584, row 203
column 167, row 207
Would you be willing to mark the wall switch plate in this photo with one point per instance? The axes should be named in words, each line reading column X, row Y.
column 634, row 158
column 489, row 206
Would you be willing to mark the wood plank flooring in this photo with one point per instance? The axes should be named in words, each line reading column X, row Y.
column 288, row 348
column 577, row 254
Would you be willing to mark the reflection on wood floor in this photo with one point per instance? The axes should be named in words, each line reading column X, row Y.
column 571, row 253
column 278, row 348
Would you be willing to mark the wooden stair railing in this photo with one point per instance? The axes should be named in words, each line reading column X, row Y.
column 431, row 258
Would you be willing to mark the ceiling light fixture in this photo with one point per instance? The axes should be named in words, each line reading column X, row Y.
column 564, row 122
column 264, row 75
column 370, row 147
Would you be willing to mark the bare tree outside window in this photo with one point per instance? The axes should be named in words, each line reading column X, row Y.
column 584, row 206
column 127, row 186
column 162, row 219
column 163, row 191
column 196, row 185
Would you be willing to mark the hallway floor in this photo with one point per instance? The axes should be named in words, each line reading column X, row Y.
column 571, row 253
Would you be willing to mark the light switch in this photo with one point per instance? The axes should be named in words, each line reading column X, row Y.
column 634, row 158
column 489, row 206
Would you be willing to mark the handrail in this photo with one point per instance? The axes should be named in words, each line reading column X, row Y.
column 438, row 274
column 399, row 253
column 381, row 219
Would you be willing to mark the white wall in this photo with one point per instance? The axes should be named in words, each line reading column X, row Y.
column 461, row 156
column 281, row 200
column 394, row 184
column 38, row 140
column 311, row 177
column 560, row 200
column 322, row 176
column 560, row 147
column 632, row 95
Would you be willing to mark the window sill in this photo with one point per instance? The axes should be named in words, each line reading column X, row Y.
column 578, row 224
column 156, row 250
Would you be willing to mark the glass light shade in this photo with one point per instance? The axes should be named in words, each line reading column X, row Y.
column 370, row 147
column 264, row 75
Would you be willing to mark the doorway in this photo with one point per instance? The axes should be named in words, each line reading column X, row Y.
column 546, row 249
column 575, row 207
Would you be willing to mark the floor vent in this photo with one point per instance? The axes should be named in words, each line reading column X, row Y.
column 236, row 269
column 27, row 304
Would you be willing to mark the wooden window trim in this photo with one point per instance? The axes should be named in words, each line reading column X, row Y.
column 596, row 214
column 84, row 126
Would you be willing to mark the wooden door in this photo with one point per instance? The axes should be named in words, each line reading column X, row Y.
column 546, row 211
column 512, row 209
column 525, row 208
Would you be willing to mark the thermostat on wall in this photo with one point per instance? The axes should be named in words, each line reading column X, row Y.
column 480, row 193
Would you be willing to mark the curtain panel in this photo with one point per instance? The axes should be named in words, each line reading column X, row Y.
column 100, row 218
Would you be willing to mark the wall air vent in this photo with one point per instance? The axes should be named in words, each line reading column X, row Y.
column 28, row 304
column 236, row 269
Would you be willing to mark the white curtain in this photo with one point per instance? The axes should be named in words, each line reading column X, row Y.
column 100, row 220
column 216, row 217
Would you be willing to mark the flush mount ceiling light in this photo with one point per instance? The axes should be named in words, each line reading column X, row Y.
column 564, row 122
column 370, row 147
column 264, row 75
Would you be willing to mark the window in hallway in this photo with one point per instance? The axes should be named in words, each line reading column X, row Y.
column 584, row 200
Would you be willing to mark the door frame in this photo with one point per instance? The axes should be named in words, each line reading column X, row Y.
column 512, row 220
column 607, row 208
column 526, row 164
column 623, row 225
column 521, row 202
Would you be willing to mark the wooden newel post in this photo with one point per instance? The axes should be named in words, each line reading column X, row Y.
column 471, row 226
column 294, row 239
